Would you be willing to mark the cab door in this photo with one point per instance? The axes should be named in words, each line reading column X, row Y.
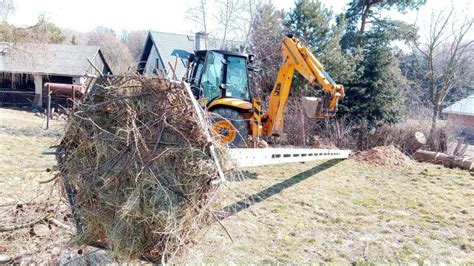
column 213, row 75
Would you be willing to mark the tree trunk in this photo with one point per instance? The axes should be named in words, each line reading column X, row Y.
column 446, row 160
column 365, row 15
column 303, row 127
column 434, row 119
column 414, row 142
column 432, row 141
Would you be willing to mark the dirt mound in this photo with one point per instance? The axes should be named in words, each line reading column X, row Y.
column 388, row 156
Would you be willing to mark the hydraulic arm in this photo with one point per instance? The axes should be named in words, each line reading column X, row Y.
column 300, row 59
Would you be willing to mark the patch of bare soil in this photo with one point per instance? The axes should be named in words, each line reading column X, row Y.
column 388, row 156
column 34, row 232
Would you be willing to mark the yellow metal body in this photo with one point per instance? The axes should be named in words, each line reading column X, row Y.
column 232, row 102
column 300, row 59
column 296, row 58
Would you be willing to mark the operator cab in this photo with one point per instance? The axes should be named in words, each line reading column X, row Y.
column 216, row 74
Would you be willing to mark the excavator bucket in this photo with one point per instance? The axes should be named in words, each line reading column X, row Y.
column 314, row 107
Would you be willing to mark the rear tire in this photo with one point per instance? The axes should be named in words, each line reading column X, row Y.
column 231, row 125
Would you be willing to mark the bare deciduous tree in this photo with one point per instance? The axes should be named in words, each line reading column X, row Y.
column 247, row 22
column 115, row 51
column 6, row 8
column 198, row 14
column 228, row 13
column 265, row 39
column 443, row 59
column 134, row 41
column 75, row 37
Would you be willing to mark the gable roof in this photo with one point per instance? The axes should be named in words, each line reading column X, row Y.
column 464, row 107
column 166, row 43
column 50, row 59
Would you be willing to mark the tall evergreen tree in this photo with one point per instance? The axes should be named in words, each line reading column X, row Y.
column 311, row 22
column 314, row 25
column 377, row 96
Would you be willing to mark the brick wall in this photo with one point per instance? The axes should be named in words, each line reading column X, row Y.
column 462, row 121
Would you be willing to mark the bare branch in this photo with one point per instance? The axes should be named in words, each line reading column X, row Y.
column 444, row 57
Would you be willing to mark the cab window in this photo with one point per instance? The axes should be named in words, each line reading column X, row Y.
column 195, row 76
column 237, row 78
column 197, row 72
column 211, row 79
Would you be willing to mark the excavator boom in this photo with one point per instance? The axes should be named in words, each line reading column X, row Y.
column 300, row 59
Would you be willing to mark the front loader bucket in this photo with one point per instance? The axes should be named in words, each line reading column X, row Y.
column 313, row 107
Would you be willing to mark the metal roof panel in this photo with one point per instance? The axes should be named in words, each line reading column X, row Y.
column 464, row 106
column 57, row 59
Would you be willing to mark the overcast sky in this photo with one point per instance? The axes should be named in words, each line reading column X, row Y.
column 170, row 15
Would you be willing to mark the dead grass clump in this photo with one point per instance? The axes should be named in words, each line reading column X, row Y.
column 387, row 156
column 136, row 166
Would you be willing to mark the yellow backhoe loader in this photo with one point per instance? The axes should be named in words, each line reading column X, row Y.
column 220, row 81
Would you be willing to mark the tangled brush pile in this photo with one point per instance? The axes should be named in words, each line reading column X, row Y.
column 136, row 165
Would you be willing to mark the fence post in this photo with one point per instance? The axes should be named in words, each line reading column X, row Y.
column 49, row 109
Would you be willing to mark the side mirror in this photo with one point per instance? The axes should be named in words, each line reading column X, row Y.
column 254, row 69
column 223, row 86
column 251, row 58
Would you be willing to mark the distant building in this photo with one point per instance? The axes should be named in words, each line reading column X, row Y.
column 461, row 114
column 25, row 68
column 159, row 46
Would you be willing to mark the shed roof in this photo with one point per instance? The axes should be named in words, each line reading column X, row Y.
column 51, row 59
column 464, row 107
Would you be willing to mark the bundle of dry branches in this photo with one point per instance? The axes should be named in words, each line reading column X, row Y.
column 136, row 165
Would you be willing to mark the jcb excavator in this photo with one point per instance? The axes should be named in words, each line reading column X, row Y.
column 220, row 81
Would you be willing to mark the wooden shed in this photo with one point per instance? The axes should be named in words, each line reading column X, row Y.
column 25, row 68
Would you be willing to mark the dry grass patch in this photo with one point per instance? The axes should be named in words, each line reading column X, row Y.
column 345, row 212
column 314, row 212
column 17, row 122
column 23, row 196
column 23, row 139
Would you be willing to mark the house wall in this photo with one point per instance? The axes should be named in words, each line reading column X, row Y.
column 78, row 81
column 153, row 62
column 462, row 122
column 99, row 64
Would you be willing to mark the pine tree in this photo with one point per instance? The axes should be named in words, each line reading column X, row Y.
column 376, row 97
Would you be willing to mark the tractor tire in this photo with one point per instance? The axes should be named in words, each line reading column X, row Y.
column 231, row 125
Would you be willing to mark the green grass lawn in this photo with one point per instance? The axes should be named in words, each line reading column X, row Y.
column 332, row 211
column 342, row 211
